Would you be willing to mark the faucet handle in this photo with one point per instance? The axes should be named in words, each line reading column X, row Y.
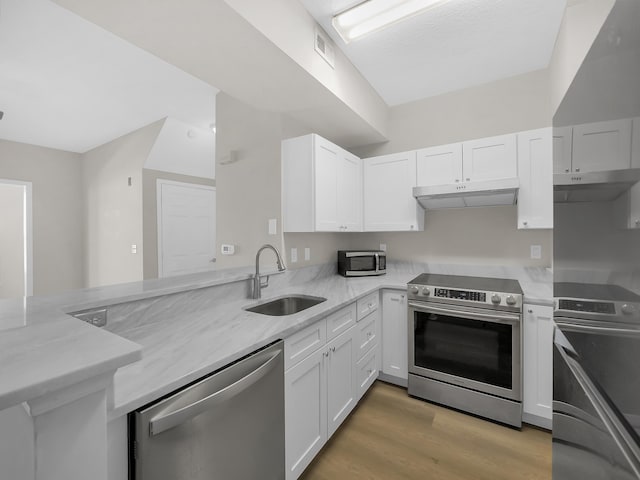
column 264, row 281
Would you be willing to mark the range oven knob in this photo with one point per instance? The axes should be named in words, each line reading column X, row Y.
column 426, row 292
column 413, row 290
column 628, row 309
column 495, row 298
column 511, row 300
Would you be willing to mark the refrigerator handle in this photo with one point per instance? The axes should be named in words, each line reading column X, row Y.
column 163, row 422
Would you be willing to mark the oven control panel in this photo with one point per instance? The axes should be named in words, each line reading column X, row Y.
column 461, row 294
column 483, row 299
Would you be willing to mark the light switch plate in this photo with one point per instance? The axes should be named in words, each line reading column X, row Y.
column 294, row 255
column 307, row 254
column 536, row 252
column 273, row 226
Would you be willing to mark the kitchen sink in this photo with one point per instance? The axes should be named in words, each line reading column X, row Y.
column 286, row 305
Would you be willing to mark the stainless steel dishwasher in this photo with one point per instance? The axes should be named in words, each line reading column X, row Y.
column 228, row 425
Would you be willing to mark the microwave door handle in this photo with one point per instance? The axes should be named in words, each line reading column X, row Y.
column 160, row 423
column 377, row 262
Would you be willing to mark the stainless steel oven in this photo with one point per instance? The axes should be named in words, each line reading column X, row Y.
column 465, row 344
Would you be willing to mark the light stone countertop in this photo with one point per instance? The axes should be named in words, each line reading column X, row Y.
column 186, row 327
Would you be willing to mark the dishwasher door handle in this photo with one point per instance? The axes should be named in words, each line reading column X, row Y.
column 163, row 422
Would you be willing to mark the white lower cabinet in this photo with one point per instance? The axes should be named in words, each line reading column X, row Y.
column 538, row 365
column 320, row 390
column 305, row 412
column 367, row 371
column 395, row 336
column 341, row 379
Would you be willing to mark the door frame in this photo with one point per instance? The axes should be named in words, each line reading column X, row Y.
column 27, row 190
column 159, row 183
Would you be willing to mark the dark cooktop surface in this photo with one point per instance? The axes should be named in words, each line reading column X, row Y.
column 593, row 291
column 499, row 285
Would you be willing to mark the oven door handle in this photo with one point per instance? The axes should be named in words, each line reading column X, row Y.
column 609, row 418
column 494, row 317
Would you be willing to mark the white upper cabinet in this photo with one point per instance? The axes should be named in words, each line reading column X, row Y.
column 389, row 204
column 535, row 197
column 490, row 158
column 562, row 144
column 441, row 165
column 627, row 206
column 601, row 146
column 321, row 186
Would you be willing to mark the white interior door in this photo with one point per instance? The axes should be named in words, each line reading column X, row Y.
column 16, row 272
column 186, row 228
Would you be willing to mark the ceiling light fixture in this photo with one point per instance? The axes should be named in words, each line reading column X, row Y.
column 374, row 15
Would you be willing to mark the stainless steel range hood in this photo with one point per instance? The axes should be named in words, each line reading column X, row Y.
column 593, row 186
column 469, row 194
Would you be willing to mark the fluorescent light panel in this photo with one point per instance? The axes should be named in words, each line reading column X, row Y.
column 374, row 15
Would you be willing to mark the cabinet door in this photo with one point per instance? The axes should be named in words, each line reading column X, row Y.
column 367, row 333
column 367, row 371
column 389, row 204
column 535, row 196
column 626, row 208
column 305, row 412
column 538, row 361
column 394, row 334
column 562, row 145
column 602, row 146
column 489, row 158
column 635, row 144
column 350, row 193
column 341, row 382
column 441, row 165
column 327, row 159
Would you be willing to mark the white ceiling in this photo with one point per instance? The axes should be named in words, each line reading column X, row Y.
column 66, row 83
column 459, row 44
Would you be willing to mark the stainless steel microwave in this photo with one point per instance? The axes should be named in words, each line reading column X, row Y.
column 360, row 263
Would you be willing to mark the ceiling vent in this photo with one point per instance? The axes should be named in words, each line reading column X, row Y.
column 324, row 47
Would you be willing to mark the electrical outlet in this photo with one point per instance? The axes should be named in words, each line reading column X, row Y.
column 383, row 247
column 294, row 255
column 536, row 252
column 273, row 226
column 134, row 248
column 307, row 254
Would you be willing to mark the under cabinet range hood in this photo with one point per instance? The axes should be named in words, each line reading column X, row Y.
column 593, row 186
column 468, row 194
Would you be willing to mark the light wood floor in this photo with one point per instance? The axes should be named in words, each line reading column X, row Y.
column 392, row 436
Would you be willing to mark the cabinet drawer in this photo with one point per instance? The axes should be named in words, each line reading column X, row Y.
column 367, row 305
column 367, row 334
column 341, row 321
column 303, row 343
column 367, row 371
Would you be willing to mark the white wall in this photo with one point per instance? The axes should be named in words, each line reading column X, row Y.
column 183, row 149
column 12, row 274
column 248, row 191
column 582, row 21
column 113, row 208
column 291, row 28
column 58, row 249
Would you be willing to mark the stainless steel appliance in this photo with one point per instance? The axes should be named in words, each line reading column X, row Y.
column 359, row 263
column 465, row 344
column 229, row 425
column 596, row 391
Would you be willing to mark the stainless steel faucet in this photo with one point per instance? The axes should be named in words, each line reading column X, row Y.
column 257, row 282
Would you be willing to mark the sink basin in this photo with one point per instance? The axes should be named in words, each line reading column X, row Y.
column 286, row 305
